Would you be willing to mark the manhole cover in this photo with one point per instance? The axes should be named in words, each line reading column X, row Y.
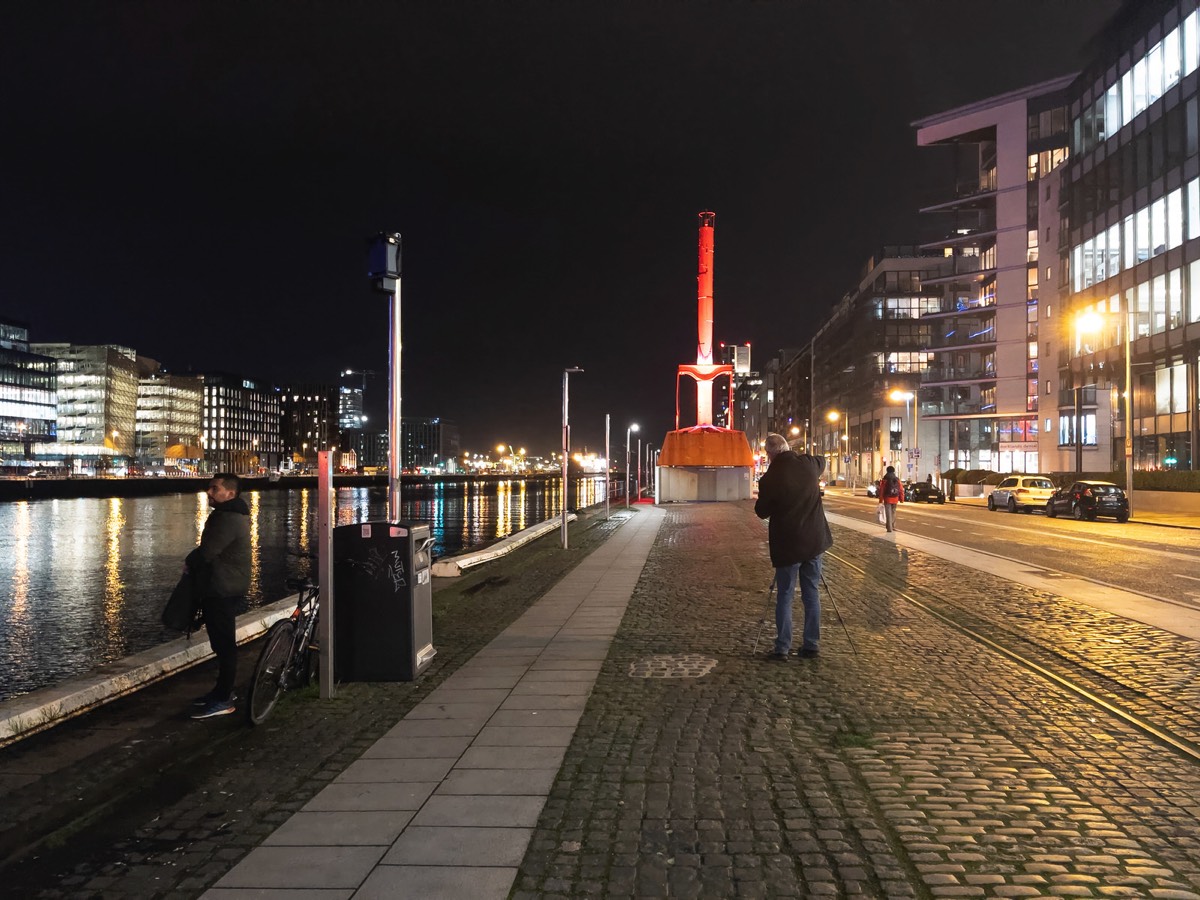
column 675, row 665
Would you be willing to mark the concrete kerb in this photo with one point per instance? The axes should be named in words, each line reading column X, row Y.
column 33, row 712
column 455, row 565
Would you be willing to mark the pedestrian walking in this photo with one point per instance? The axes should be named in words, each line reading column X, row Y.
column 890, row 492
column 789, row 496
column 221, row 567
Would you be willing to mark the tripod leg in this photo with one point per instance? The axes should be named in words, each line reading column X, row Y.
column 829, row 594
column 762, row 622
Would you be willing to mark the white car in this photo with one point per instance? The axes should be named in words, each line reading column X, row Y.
column 1026, row 492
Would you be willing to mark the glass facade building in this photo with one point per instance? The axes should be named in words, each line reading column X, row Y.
column 97, row 390
column 169, row 419
column 28, row 396
column 1129, row 255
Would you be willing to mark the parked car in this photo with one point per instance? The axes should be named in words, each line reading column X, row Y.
column 1089, row 499
column 1024, row 492
column 923, row 492
column 822, row 484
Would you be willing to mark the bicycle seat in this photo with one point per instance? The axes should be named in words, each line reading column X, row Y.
column 297, row 584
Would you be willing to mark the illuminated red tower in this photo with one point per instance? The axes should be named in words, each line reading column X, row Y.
column 705, row 462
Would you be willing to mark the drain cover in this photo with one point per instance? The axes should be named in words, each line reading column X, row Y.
column 675, row 665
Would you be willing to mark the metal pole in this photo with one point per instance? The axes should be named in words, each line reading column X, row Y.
column 566, row 448
column 394, row 462
column 325, row 507
column 1128, row 406
column 812, row 391
column 632, row 428
column 607, row 466
column 639, row 470
column 1078, row 430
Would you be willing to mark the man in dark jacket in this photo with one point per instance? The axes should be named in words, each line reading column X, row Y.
column 790, row 496
column 221, row 566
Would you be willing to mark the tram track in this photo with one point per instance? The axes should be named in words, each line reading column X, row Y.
column 1140, row 706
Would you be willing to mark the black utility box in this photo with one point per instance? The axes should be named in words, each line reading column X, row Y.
column 382, row 601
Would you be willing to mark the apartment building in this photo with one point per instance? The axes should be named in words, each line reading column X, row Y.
column 854, row 394
column 980, row 393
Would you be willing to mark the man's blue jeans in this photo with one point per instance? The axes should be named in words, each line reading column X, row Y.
column 809, row 575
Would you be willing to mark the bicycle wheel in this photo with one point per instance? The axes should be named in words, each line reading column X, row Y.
column 267, row 683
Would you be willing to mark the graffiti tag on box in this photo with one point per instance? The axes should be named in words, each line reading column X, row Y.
column 377, row 567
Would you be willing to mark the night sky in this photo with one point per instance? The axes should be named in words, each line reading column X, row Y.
column 199, row 180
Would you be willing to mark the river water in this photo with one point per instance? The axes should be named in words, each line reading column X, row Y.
column 83, row 582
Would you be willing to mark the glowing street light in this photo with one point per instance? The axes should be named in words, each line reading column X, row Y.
column 631, row 428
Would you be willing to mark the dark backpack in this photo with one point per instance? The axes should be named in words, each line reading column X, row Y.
column 891, row 487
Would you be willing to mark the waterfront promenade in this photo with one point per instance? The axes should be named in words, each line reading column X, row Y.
column 604, row 729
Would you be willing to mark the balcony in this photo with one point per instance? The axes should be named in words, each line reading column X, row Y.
column 966, row 237
column 938, row 409
column 936, row 375
column 967, row 270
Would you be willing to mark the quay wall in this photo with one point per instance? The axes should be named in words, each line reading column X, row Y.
column 71, row 488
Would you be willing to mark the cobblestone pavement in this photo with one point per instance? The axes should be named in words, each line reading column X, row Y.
column 915, row 763
column 924, row 765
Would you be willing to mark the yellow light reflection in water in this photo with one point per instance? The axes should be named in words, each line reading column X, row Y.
column 255, row 547
column 521, row 526
column 303, row 523
column 201, row 515
column 466, row 503
column 114, row 588
column 20, row 576
column 503, row 498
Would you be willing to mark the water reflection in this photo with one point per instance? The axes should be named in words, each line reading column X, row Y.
column 86, row 579
column 114, row 587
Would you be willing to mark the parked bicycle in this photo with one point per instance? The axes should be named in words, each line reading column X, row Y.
column 288, row 655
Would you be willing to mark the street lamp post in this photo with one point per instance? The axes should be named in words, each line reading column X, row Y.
column 834, row 416
column 566, row 449
column 648, row 468
column 631, row 428
column 1091, row 323
column 607, row 465
column 1128, row 404
column 639, row 470
column 911, row 421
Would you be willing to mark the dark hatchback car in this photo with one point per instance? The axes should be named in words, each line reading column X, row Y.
column 1089, row 499
column 923, row 492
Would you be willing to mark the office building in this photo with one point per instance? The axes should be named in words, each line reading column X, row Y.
column 309, row 421
column 97, row 389
column 1128, row 263
column 427, row 443
column 241, row 432
column 28, row 396
column 169, row 419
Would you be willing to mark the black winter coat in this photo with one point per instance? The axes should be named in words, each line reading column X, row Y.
column 790, row 496
column 221, row 564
